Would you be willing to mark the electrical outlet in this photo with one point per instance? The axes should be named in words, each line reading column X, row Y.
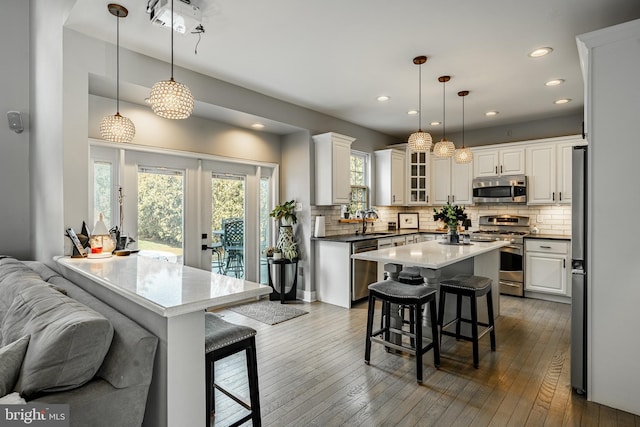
column 540, row 219
column 298, row 206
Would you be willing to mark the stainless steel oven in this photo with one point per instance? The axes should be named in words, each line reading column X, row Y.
column 513, row 229
column 511, row 271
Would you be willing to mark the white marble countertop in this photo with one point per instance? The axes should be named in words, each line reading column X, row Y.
column 167, row 289
column 432, row 254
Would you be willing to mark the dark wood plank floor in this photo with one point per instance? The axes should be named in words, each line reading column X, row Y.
column 312, row 373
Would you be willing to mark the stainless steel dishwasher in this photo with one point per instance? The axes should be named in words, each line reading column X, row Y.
column 363, row 273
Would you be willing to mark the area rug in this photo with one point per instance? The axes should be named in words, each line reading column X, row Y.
column 269, row 312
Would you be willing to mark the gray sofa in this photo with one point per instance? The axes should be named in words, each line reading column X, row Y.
column 109, row 358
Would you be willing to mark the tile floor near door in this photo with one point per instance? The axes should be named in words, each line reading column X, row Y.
column 312, row 372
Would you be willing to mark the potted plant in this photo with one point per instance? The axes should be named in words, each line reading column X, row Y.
column 277, row 254
column 285, row 213
column 269, row 250
column 451, row 215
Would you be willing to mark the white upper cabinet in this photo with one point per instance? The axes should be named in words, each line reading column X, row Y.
column 494, row 161
column 451, row 182
column 390, row 177
column 333, row 182
column 418, row 177
column 549, row 171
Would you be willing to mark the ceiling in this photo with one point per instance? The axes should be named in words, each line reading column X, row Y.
column 337, row 56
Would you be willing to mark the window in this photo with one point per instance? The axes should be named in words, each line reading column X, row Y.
column 161, row 212
column 359, row 181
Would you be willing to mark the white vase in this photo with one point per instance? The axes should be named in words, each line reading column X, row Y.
column 286, row 222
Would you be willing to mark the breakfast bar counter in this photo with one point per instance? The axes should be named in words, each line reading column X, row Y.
column 169, row 300
column 439, row 260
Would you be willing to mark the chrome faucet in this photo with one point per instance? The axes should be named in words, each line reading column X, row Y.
column 369, row 213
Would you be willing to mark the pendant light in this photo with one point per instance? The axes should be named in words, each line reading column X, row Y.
column 464, row 154
column 420, row 141
column 117, row 128
column 169, row 98
column 444, row 148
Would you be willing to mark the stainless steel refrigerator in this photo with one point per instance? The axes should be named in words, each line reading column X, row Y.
column 579, row 271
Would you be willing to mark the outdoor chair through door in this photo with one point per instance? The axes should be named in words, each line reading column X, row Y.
column 233, row 244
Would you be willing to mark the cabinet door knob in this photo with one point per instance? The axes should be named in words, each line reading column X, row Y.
column 453, row 198
column 500, row 169
column 496, row 170
column 553, row 196
column 560, row 196
column 545, row 247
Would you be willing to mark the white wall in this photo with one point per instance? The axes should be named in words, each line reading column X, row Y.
column 15, row 232
column 613, row 202
column 194, row 134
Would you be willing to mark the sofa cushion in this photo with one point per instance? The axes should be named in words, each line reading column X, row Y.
column 68, row 340
column 11, row 357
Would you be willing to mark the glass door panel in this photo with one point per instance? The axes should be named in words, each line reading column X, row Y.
column 265, row 227
column 228, row 194
column 161, row 213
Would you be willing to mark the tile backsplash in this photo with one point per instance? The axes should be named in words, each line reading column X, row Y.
column 549, row 219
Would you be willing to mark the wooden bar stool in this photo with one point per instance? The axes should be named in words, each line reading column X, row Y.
column 467, row 285
column 222, row 339
column 413, row 297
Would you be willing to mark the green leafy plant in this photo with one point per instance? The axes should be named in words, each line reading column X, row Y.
column 285, row 211
column 450, row 215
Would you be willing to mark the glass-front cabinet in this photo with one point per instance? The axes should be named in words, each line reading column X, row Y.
column 418, row 177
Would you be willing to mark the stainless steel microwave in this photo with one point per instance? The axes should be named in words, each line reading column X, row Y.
column 510, row 189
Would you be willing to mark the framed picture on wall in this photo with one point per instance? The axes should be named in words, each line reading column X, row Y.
column 408, row 220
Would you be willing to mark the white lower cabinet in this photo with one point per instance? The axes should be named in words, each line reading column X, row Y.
column 547, row 266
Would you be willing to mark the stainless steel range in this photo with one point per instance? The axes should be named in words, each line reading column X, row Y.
column 513, row 229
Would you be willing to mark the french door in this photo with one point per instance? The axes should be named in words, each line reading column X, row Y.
column 183, row 209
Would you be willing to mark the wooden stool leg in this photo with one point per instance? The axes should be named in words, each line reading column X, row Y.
column 434, row 333
column 370, row 313
column 254, row 393
column 441, row 313
column 210, row 395
column 458, row 315
column 492, row 332
column 474, row 331
column 419, row 347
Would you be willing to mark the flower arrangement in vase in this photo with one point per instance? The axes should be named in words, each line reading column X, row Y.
column 451, row 215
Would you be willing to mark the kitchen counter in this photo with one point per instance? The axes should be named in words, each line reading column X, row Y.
column 170, row 301
column 431, row 255
column 350, row 238
column 548, row 236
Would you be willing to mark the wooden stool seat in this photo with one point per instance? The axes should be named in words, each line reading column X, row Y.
column 467, row 285
column 412, row 297
column 222, row 339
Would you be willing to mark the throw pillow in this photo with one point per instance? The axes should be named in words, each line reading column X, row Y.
column 11, row 357
column 68, row 340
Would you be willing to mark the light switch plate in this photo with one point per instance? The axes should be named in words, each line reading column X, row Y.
column 298, row 206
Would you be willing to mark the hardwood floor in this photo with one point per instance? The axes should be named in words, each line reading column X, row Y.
column 312, row 373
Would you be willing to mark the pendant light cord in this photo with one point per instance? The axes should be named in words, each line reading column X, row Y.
column 117, row 64
column 420, row 98
column 463, row 122
column 444, row 112
column 171, row 39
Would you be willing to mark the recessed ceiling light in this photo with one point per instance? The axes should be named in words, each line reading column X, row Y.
column 562, row 101
column 491, row 113
column 540, row 52
column 554, row 82
column 383, row 98
column 435, row 123
column 412, row 112
column 257, row 126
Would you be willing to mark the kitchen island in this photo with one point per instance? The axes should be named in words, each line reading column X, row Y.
column 438, row 260
column 170, row 301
